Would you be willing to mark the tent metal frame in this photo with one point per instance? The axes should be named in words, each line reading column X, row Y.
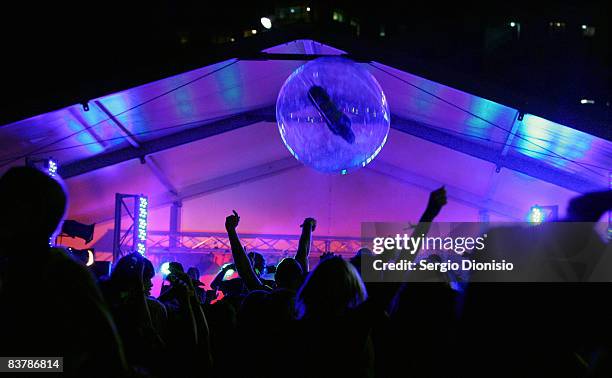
column 125, row 241
column 280, row 245
column 499, row 157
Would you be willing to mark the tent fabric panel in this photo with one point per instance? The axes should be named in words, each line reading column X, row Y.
column 92, row 195
column 437, row 162
column 226, row 153
column 420, row 100
column 278, row 204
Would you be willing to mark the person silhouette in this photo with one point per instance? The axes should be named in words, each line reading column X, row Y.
column 50, row 304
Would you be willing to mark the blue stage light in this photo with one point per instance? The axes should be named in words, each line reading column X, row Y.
column 536, row 215
column 165, row 269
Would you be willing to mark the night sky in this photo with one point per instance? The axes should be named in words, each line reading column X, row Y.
column 56, row 55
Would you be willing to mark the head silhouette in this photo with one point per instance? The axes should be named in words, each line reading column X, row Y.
column 126, row 270
column 258, row 262
column 363, row 256
column 193, row 273
column 33, row 206
column 330, row 290
column 289, row 274
column 589, row 207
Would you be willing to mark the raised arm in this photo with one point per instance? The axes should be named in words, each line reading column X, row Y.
column 437, row 200
column 241, row 260
column 303, row 251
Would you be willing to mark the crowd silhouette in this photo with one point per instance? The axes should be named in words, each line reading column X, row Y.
column 322, row 321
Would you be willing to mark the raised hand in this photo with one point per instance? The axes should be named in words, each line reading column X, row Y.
column 231, row 222
column 309, row 222
column 437, row 200
column 241, row 260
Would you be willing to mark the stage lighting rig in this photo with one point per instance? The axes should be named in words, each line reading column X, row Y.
column 540, row 214
column 47, row 165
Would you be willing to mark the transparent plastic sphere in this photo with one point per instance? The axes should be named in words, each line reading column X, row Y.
column 333, row 115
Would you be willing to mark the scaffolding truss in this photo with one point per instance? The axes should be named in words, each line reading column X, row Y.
column 134, row 237
column 161, row 242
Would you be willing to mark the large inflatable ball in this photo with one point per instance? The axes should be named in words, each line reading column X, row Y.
column 332, row 115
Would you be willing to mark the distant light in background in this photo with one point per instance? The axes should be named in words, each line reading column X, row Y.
column 292, row 10
column 307, row 9
column 557, row 25
column 512, row 24
column 254, row 31
column 142, row 225
column 536, row 215
column 232, row 39
column 588, row 31
column 587, row 101
column 266, row 22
